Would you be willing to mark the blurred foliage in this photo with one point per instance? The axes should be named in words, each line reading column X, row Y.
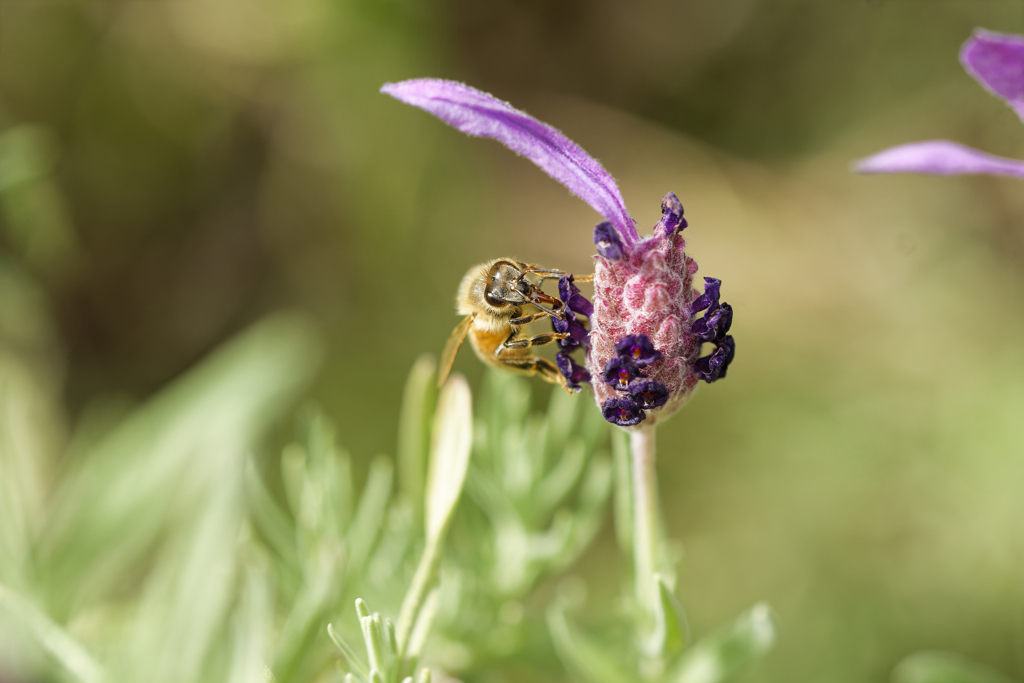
column 171, row 173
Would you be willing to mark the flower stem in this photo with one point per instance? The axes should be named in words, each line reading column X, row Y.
column 645, row 517
column 422, row 582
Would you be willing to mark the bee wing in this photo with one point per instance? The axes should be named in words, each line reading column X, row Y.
column 451, row 348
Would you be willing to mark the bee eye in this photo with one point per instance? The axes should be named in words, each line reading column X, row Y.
column 493, row 300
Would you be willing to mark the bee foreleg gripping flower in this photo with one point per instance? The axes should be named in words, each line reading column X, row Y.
column 644, row 342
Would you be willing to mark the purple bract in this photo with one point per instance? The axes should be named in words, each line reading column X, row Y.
column 641, row 341
column 996, row 61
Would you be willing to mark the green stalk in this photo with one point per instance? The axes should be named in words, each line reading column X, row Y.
column 422, row 581
column 645, row 518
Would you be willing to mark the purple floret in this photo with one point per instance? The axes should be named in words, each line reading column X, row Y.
column 709, row 297
column 713, row 367
column 619, row 373
column 574, row 373
column 570, row 295
column 672, row 220
column 607, row 240
column 638, row 348
column 715, row 324
column 649, row 393
column 578, row 334
column 624, row 412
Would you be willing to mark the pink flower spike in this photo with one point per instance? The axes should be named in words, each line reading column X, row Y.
column 938, row 157
column 477, row 113
column 996, row 60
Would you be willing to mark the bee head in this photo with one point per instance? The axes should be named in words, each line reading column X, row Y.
column 505, row 287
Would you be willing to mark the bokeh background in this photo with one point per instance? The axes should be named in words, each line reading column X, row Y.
column 171, row 172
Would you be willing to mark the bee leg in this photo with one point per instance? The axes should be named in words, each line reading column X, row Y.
column 545, row 273
column 541, row 367
column 559, row 275
column 539, row 340
column 529, row 318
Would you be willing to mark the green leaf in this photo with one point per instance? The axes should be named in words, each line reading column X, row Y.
column 55, row 640
column 719, row 657
column 449, row 455
column 559, row 423
column 944, row 667
column 270, row 521
column 580, row 654
column 553, row 488
column 418, row 403
column 354, row 661
column 251, row 626
column 369, row 517
column 293, row 476
column 670, row 627
column 117, row 500
column 424, row 621
column 188, row 598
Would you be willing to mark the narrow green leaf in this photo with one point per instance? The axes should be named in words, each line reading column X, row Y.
column 559, row 423
column 944, row 667
column 374, row 641
column 670, row 627
column 449, row 455
column 353, row 659
column 720, row 656
column 251, row 626
column 553, row 488
column 270, row 521
column 580, row 654
column 55, row 640
column 589, row 515
column 313, row 602
column 293, row 475
column 370, row 515
column 114, row 502
column 424, row 621
column 418, row 402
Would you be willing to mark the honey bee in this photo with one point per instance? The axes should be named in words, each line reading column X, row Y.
column 492, row 296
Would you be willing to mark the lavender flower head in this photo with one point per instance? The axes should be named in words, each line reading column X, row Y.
column 996, row 61
column 644, row 342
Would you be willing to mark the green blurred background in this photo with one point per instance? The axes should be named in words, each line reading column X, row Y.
column 171, row 172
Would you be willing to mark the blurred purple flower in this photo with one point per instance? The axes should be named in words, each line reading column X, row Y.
column 641, row 317
column 996, row 60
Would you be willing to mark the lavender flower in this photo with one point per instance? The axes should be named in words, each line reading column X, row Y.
column 574, row 373
column 624, row 412
column 649, row 393
column 575, row 303
column 996, row 61
column 619, row 372
column 638, row 348
column 642, row 315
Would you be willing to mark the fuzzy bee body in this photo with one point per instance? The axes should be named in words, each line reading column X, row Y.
column 493, row 297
